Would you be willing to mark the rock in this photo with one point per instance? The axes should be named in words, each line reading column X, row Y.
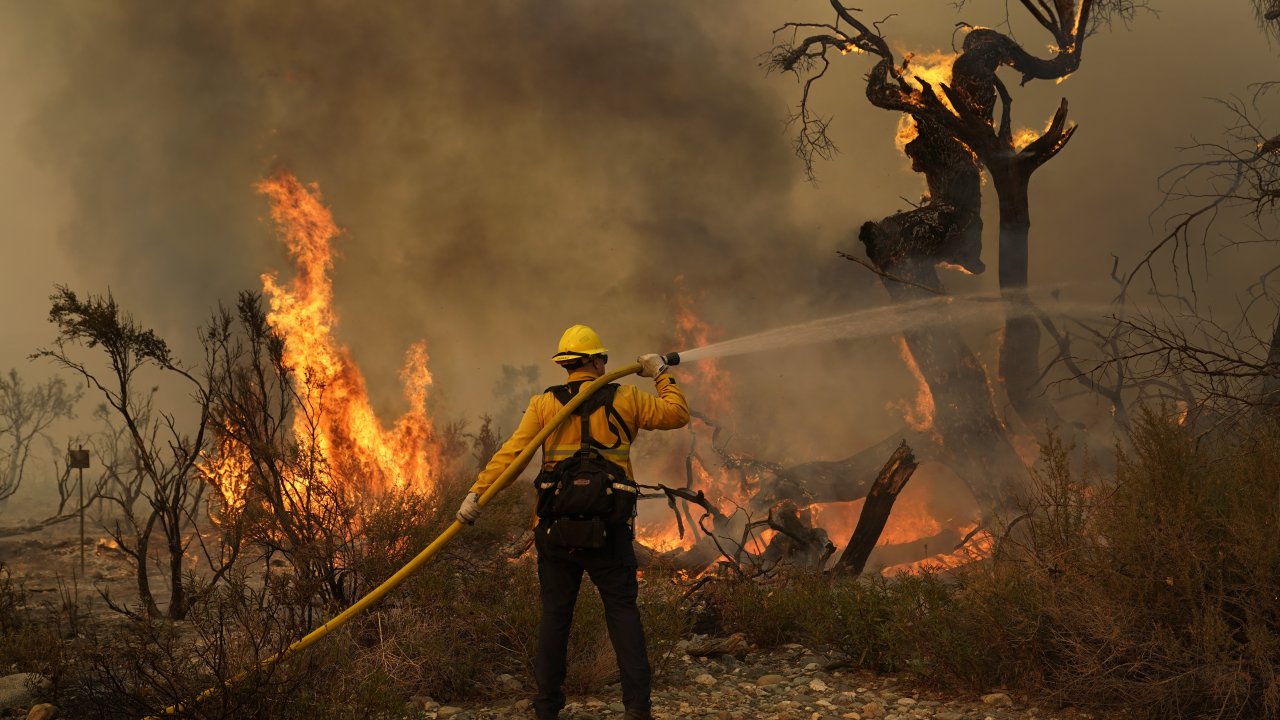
column 19, row 690
column 770, row 679
column 449, row 711
column 43, row 711
column 872, row 710
column 817, row 685
column 998, row 699
column 906, row 702
column 509, row 683
column 949, row 715
column 705, row 679
column 523, row 704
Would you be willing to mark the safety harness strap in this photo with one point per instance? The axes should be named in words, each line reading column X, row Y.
column 602, row 398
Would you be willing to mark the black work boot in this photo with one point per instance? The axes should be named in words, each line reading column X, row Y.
column 637, row 714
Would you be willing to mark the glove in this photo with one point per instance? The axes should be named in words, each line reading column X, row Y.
column 470, row 509
column 651, row 365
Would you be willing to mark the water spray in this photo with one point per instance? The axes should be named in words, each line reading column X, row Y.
column 879, row 321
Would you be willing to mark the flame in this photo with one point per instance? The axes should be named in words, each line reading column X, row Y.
column 933, row 68
column 980, row 546
column 335, row 414
column 1023, row 137
column 227, row 470
column 708, row 388
column 907, row 131
column 917, row 512
column 706, row 378
column 919, row 413
column 957, row 268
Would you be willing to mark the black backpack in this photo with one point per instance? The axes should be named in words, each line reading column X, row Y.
column 580, row 497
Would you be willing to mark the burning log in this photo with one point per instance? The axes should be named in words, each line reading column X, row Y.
column 875, row 511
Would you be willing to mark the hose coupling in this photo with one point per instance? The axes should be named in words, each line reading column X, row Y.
column 671, row 358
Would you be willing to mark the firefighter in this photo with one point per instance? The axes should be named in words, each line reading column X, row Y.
column 608, row 557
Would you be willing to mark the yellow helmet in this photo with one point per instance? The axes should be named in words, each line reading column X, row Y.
column 578, row 342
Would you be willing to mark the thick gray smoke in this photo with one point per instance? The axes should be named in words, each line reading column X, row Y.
column 506, row 169
column 501, row 171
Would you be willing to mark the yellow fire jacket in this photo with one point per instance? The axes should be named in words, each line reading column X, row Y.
column 638, row 409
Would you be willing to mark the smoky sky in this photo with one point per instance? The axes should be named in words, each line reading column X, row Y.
column 505, row 169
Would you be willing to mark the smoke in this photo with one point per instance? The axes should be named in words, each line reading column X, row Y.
column 502, row 170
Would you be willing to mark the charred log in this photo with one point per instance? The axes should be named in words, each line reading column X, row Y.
column 837, row 480
column 875, row 511
column 797, row 543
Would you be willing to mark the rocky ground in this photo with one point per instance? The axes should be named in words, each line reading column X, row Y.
column 793, row 683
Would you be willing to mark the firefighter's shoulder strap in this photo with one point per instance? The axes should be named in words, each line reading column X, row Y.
column 600, row 398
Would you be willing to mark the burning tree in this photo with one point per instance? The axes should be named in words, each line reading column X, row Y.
column 951, row 133
column 300, row 455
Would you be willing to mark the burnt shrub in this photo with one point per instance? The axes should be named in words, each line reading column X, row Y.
column 455, row 628
column 1154, row 590
column 30, row 637
column 134, row 666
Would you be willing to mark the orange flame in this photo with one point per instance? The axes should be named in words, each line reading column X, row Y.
column 918, row 414
column 707, row 378
column 933, row 68
column 349, row 432
column 362, row 457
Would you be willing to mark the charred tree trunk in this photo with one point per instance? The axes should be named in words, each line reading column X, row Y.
column 875, row 511
column 1020, row 342
column 969, row 435
column 973, row 93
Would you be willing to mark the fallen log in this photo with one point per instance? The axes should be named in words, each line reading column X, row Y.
column 946, row 541
column 875, row 511
column 827, row 481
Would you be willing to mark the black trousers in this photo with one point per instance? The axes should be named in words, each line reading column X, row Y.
column 612, row 570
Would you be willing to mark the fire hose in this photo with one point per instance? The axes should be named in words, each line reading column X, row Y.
column 513, row 470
